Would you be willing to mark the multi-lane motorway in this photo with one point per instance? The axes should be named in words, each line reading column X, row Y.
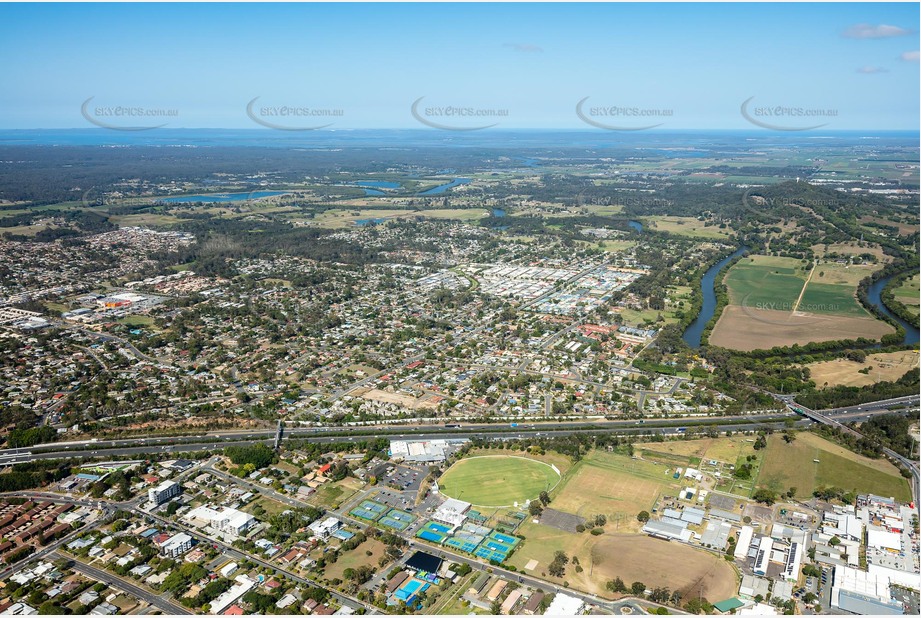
column 328, row 435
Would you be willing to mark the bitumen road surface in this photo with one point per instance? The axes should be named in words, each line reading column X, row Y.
column 159, row 602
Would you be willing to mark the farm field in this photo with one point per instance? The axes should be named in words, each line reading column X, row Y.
column 688, row 226
column 763, row 292
column 908, row 293
column 763, row 282
column 613, row 485
column 632, row 557
column 744, row 328
column 497, row 480
column 833, row 290
column 884, row 367
column 346, row 217
column 793, row 465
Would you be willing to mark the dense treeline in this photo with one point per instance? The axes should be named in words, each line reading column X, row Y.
column 892, row 431
column 259, row 455
column 840, row 396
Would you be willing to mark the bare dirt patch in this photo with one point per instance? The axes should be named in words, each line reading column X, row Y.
column 406, row 401
column 746, row 328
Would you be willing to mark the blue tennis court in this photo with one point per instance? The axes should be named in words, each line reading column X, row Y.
column 434, row 537
column 389, row 522
column 363, row 513
column 370, row 505
column 400, row 515
column 461, row 544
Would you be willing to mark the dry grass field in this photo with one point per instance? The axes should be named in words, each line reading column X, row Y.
column 612, row 485
column 852, row 248
column 726, row 450
column 746, row 328
column 884, row 367
column 794, row 465
column 688, row 226
column 632, row 557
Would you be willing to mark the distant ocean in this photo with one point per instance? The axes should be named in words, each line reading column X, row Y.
column 661, row 142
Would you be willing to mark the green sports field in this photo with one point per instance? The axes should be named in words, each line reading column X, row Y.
column 497, row 480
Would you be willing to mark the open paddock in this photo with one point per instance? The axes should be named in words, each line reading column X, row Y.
column 745, row 328
column 613, row 485
column 794, row 465
column 632, row 557
column 689, row 226
column 885, row 367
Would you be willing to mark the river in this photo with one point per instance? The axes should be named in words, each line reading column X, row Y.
column 221, row 197
column 873, row 295
column 694, row 331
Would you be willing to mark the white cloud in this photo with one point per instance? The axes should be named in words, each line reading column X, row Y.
column 527, row 48
column 872, row 70
column 869, row 31
column 910, row 56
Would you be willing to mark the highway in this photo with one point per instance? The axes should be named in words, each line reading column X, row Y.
column 511, row 434
column 163, row 442
column 329, row 435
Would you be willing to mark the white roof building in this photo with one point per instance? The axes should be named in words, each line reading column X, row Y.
column 227, row 520
column 882, row 539
column 176, row 545
column 744, row 542
column 228, row 598
column 758, row 609
column 565, row 605
column 452, row 513
column 862, row 592
column 323, row 528
column 764, row 555
column 229, row 569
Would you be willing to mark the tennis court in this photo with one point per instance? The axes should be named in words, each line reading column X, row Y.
column 460, row 544
column 369, row 510
column 497, row 547
column 436, row 533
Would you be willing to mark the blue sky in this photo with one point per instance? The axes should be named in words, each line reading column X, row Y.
column 537, row 61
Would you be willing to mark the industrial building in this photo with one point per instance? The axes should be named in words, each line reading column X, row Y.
column 565, row 605
column 863, row 592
